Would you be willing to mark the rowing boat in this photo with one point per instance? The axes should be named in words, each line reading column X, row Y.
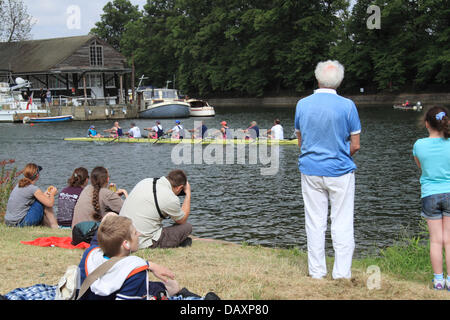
column 189, row 141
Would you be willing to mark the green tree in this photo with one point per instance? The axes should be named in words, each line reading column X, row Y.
column 434, row 64
column 112, row 25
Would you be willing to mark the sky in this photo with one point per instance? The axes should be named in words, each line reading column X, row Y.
column 66, row 18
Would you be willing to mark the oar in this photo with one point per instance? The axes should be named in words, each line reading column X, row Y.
column 164, row 134
column 113, row 140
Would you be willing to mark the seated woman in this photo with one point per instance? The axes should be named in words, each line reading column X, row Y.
column 68, row 197
column 28, row 205
column 96, row 199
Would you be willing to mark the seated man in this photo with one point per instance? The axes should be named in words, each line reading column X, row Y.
column 252, row 131
column 115, row 131
column 200, row 129
column 92, row 133
column 134, row 132
column 148, row 214
column 127, row 278
column 177, row 131
column 156, row 131
column 276, row 132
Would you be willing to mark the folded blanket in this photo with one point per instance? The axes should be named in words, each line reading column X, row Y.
column 62, row 242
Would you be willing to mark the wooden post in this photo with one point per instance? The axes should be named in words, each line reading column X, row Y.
column 121, row 100
column 104, row 87
column 85, row 91
column 133, row 75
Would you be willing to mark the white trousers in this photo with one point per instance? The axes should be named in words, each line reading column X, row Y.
column 340, row 191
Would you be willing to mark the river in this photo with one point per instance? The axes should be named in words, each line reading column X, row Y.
column 234, row 201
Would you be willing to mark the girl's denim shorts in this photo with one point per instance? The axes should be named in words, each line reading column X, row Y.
column 436, row 206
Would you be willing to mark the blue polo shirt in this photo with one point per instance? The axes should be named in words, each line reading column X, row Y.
column 326, row 121
column 434, row 158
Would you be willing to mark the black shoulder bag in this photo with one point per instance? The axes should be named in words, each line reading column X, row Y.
column 156, row 200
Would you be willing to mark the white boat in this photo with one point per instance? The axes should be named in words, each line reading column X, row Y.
column 200, row 108
column 13, row 107
column 163, row 103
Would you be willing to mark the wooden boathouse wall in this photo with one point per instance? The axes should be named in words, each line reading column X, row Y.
column 69, row 67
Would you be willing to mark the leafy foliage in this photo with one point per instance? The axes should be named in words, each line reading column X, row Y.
column 8, row 179
column 262, row 47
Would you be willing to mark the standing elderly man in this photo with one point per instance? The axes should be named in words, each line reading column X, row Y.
column 328, row 131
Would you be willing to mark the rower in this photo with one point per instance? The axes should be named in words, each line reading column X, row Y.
column 276, row 131
column 92, row 133
column 115, row 131
column 155, row 132
column 177, row 130
column 134, row 132
column 201, row 129
column 226, row 131
column 253, row 131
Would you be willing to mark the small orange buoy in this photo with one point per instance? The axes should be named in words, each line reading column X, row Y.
column 31, row 124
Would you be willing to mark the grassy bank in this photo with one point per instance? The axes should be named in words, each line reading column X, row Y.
column 232, row 271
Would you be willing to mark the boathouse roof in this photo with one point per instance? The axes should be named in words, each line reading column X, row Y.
column 36, row 56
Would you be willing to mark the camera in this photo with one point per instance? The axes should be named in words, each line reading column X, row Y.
column 182, row 193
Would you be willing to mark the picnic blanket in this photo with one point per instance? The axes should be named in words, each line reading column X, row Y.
column 61, row 242
column 48, row 292
column 37, row 292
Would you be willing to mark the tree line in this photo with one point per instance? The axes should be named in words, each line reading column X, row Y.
column 271, row 47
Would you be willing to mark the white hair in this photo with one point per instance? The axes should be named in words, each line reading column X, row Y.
column 329, row 74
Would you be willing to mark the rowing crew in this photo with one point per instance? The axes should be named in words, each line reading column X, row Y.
column 177, row 132
column 116, row 131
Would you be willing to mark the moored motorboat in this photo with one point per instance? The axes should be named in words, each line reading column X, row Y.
column 200, row 108
column 162, row 104
column 13, row 107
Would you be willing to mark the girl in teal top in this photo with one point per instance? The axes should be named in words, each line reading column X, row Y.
column 432, row 155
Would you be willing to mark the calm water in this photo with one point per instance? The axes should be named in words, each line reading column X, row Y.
column 234, row 202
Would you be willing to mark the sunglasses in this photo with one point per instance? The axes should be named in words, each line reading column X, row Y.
column 39, row 169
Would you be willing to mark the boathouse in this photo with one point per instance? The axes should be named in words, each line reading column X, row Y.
column 83, row 67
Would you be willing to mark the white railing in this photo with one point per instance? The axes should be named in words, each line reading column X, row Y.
column 79, row 101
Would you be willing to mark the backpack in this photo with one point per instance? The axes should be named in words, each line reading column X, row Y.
column 67, row 286
column 84, row 232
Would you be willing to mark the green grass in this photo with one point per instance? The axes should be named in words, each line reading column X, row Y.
column 233, row 271
column 408, row 259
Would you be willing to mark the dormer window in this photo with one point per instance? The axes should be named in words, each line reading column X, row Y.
column 96, row 54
